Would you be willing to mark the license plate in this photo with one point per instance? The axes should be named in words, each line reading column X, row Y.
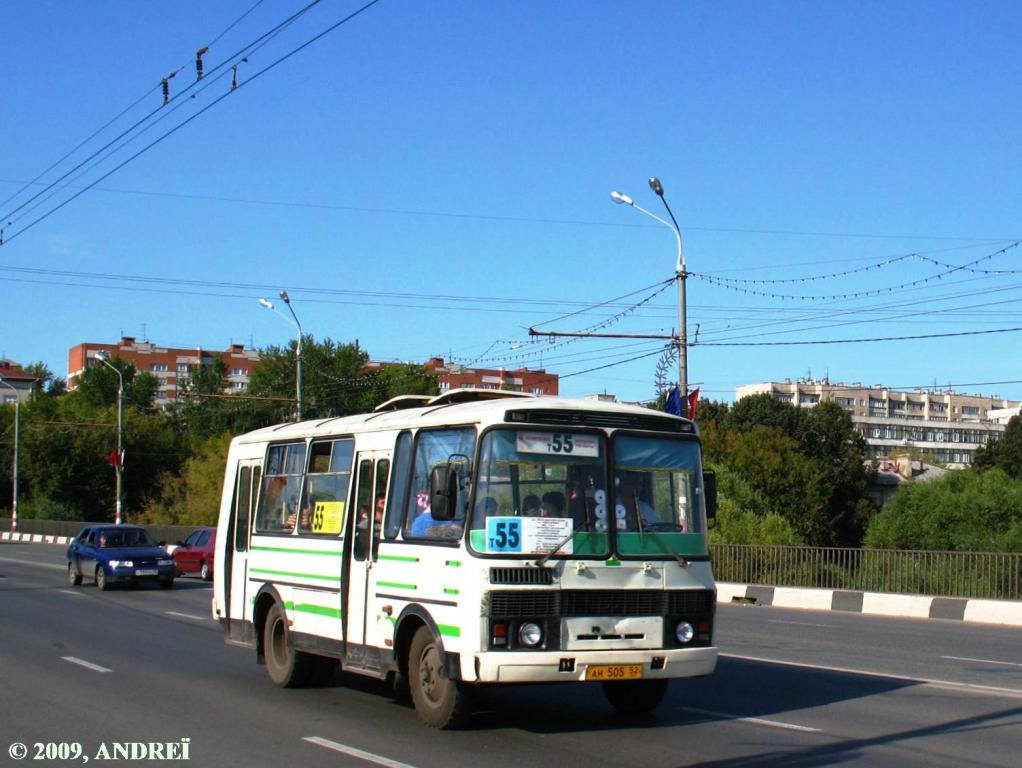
column 147, row 572
column 614, row 672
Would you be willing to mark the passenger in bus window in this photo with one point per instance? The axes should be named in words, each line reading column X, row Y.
column 487, row 506
column 630, row 494
column 531, row 506
column 553, row 504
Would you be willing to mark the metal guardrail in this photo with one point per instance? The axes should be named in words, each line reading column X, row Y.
column 990, row 575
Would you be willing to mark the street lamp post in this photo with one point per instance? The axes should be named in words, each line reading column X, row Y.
column 298, row 366
column 17, row 422
column 680, row 275
column 104, row 358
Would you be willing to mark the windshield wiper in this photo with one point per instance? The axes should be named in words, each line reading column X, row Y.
column 643, row 527
column 542, row 560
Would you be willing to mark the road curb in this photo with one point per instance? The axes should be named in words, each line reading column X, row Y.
column 36, row 538
column 1006, row 612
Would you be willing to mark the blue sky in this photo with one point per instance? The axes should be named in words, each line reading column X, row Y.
column 433, row 178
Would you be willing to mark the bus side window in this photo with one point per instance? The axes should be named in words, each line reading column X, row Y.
column 398, row 485
column 278, row 502
column 326, row 488
column 242, row 501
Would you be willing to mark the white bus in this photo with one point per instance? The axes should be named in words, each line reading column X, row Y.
column 479, row 537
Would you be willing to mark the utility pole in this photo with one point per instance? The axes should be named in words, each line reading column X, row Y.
column 17, row 421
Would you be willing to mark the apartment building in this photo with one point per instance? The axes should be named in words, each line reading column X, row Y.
column 170, row 365
column 16, row 385
column 948, row 425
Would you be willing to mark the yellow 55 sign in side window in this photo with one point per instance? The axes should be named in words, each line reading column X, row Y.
column 328, row 517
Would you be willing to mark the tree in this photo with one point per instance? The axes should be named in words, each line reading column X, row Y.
column 66, row 447
column 1004, row 453
column 331, row 378
column 745, row 517
column 52, row 386
column 790, row 483
column 98, row 385
column 193, row 497
column 962, row 511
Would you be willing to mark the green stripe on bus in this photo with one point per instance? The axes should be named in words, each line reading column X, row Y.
column 395, row 585
column 449, row 631
column 292, row 574
column 449, row 591
column 399, row 558
column 453, row 563
column 305, row 607
column 296, row 551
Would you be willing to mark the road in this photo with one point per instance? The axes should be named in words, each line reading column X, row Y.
column 793, row 688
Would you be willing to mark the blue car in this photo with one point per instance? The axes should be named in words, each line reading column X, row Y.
column 113, row 554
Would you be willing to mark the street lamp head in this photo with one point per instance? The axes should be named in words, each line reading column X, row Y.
column 101, row 354
column 266, row 303
column 656, row 186
column 284, row 297
column 617, row 197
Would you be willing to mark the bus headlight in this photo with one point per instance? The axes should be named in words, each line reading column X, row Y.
column 530, row 634
column 684, row 632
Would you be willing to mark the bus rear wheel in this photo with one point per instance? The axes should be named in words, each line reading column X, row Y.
column 439, row 701
column 286, row 667
column 635, row 697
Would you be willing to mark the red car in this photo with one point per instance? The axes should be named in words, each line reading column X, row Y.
column 195, row 554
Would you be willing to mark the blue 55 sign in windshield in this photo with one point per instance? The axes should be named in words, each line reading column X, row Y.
column 527, row 535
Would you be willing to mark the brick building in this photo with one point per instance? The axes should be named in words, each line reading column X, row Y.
column 455, row 376
column 170, row 365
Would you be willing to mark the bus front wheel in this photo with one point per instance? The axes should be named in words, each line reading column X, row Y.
column 439, row 701
column 635, row 697
column 286, row 667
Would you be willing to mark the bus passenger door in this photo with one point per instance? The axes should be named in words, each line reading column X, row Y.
column 372, row 472
column 235, row 561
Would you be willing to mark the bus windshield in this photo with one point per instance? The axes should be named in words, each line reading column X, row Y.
column 539, row 491
column 658, row 496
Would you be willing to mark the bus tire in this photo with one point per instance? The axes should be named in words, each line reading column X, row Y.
column 439, row 702
column 635, row 697
column 286, row 667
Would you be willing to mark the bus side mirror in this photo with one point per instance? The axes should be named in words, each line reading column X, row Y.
column 710, row 489
column 443, row 492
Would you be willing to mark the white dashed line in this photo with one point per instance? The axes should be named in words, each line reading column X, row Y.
column 86, row 664
column 982, row 661
column 319, row 741
column 755, row 720
column 71, row 592
column 186, row 615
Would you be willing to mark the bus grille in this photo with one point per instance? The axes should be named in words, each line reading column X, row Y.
column 600, row 602
column 521, row 576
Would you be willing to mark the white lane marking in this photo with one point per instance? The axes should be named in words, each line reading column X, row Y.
column 36, row 563
column 186, row 615
column 86, row 664
column 983, row 661
column 798, row 623
column 71, row 592
column 1012, row 692
column 756, row 720
column 367, row 756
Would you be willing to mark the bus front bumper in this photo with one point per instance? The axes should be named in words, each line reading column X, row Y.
column 568, row 666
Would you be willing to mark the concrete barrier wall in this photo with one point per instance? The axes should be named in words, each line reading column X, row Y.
column 1008, row 612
